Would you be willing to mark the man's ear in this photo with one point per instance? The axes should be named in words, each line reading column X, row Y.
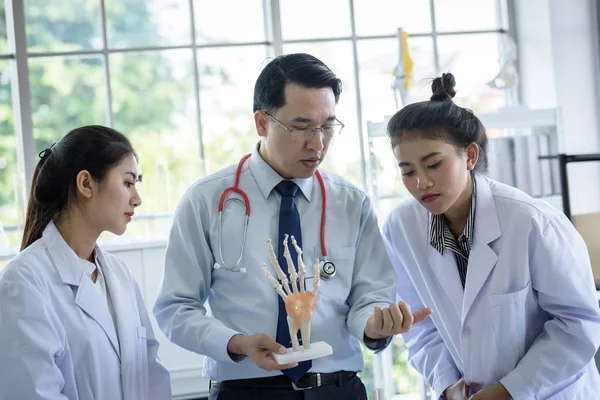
column 260, row 121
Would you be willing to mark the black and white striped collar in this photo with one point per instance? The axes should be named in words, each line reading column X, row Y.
column 440, row 236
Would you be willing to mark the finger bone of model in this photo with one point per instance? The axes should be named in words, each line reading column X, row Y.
column 301, row 266
column 316, row 265
column 280, row 274
column 291, row 268
column 276, row 285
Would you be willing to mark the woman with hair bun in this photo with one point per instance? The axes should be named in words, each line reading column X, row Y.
column 515, row 312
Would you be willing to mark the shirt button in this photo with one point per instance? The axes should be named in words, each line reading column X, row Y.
column 466, row 330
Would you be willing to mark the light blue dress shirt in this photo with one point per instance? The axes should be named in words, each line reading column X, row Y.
column 246, row 303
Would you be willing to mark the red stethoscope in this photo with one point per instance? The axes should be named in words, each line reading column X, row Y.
column 327, row 268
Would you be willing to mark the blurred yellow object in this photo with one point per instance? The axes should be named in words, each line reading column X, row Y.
column 403, row 71
column 407, row 62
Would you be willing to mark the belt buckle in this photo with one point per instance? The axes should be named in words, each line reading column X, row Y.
column 296, row 388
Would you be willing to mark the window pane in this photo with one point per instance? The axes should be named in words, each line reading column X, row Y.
column 344, row 157
column 154, row 105
column 384, row 17
column 63, row 25
column 388, row 179
column 407, row 380
column 11, row 201
column 215, row 23
column 466, row 15
column 3, row 37
column 377, row 61
column 65, row 93
column 473, row 59
column 300, row 21
column 146, row 23
column 367, row 374
column 227, row 78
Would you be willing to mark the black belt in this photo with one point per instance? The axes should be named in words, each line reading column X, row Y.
column 308, row 381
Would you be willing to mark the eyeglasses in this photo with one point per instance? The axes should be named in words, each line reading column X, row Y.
column 307, row 133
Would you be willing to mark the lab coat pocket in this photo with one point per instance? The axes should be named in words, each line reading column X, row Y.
column 142, row 343
column 142, row 361
column 141, row 332
column 509, row 319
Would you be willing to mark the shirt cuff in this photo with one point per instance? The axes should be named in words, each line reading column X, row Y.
column 516, row 386
column 444, row 381
column 215, row 344
column 236, row 358
column 377, row 345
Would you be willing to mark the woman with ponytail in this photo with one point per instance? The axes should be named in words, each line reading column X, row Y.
column 72, row 319
column 515, row 313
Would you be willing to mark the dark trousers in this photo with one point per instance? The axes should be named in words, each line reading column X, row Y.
column 345, row 389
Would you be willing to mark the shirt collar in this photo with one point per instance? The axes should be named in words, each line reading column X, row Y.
column 440, row 233
column 90, row 267
column 267, row 178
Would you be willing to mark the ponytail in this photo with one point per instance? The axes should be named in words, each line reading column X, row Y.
column 38, row 215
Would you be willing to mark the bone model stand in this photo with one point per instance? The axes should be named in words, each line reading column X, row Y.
column 299, row 304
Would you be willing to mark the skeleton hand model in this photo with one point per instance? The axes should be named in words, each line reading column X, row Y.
column 299, row 303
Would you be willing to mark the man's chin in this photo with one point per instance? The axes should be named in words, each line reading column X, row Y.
column 305, row 173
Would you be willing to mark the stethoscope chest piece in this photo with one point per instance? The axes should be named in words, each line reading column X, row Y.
column 327, row 270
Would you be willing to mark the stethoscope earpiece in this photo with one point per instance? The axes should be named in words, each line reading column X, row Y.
column 218, row 266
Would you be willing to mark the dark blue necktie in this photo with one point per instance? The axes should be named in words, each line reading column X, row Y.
column 289, row 223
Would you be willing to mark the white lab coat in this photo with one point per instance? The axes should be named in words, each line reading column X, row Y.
column 58, row 340
column 528, row 316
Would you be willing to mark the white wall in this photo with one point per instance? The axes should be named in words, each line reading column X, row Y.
column 186, row 367
column 535, row 53
column 558, row 58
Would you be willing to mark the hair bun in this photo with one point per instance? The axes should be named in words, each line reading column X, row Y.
column 443, row 88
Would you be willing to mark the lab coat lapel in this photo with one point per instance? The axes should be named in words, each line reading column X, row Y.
column 124, row 304
column 444, row 267
column 93, row 304
column 482, row 259
column 87, row 297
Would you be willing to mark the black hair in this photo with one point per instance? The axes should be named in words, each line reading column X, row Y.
column 96, row 149
column 299, row 68
column 440, row 118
